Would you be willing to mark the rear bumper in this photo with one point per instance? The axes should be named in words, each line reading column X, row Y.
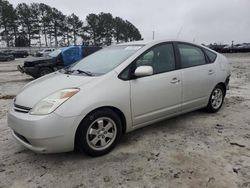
column 227, row 82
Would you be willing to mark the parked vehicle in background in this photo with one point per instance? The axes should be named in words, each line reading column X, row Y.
column 40, row 66
column 44, row 52
column 91, row 104
column 21, row 53
column 238, row 48
column 6, row 57
column 221, row 48
column 243, row 48
column 17, row 53
column 225, row 49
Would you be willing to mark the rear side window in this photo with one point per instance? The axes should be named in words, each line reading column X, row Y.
column 211, row 55
column 191, row 56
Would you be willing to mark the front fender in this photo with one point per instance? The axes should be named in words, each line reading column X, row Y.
column 101, row 92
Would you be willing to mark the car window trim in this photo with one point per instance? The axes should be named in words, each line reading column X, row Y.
column 130, row 66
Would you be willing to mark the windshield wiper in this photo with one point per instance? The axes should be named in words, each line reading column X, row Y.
column 84, row 72
column 68, row 71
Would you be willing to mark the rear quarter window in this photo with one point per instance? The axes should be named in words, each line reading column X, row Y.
column 211, row 55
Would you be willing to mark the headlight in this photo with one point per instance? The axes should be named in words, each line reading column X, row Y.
column 52, row 102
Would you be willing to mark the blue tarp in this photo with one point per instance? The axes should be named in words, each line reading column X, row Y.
column 71, row 54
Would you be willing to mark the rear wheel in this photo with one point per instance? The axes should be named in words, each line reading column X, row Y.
column 216, row 99
column 44, row 70
column 99, row 132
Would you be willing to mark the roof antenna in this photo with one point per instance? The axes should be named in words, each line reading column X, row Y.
column 179, row 33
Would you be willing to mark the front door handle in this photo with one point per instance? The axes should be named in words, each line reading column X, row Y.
column 210, row 72
column 175, row 80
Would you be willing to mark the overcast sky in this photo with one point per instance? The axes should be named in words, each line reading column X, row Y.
column 202, row 21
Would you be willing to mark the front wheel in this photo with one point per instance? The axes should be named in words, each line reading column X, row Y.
column 99, row 132
column 216, row 99
column 44, row 70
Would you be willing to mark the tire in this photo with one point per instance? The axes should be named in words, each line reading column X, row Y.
column 44, row 70
column 101, row 127
column 216, row 99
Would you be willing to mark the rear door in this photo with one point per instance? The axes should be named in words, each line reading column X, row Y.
column 197, row 76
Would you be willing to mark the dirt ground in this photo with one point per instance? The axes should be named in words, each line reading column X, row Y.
column 193, row 150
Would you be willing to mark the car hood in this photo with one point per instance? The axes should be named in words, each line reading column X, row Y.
column 39, row 59
column 41, row 88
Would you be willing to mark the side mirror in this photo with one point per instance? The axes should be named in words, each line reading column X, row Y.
column 143, row 71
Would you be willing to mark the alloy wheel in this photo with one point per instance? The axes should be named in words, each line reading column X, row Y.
column 101, row 133
column 217, row 98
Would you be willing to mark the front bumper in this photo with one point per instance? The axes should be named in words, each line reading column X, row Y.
column 21, row 139
column 43, row 134
column 20, row 69
column 32, row 71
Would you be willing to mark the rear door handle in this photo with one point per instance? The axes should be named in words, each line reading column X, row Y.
column 175, row 80
column 210, row 72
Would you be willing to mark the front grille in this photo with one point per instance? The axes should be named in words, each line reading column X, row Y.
column 21, row 137
column 21, row 109
column 28, row 64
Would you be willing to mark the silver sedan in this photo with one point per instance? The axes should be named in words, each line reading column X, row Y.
column 91, row 104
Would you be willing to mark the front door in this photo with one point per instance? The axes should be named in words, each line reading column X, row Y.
column 158, row 96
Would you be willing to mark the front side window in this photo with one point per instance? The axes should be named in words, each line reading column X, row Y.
column 161, row 58
column 191, row 56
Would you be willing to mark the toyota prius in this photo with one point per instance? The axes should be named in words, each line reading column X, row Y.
column 91, row 104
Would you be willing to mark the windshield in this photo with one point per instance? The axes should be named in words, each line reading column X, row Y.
column 55, row 53
column 105, row 60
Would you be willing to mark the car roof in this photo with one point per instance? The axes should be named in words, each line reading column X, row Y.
column 139, row 42
column 146, row 42
column 154, row 42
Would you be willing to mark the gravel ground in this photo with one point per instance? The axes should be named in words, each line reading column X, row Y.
column 193, row 150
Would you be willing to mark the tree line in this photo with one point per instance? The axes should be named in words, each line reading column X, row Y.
column 21, row 25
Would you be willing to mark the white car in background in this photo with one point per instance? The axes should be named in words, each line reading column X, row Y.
column 118, row 89
column 44, row 52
